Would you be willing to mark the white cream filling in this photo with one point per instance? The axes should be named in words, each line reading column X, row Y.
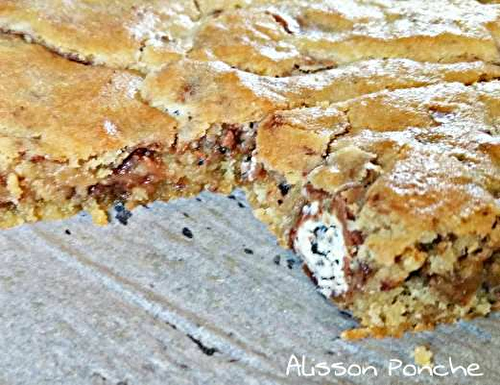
column 249, row 168
column 320, row 242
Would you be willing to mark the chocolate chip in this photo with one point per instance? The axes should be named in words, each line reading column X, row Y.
column 320, row 230
column 205, row 349
column 122, row 214
column 187, row 233
column 248, row 251
column 241, row 205
column 284, row 188
column 67, row 232
column 315, row 250
column 345, row 314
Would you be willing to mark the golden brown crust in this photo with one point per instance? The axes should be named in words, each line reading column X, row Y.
column 199, row 93
column 274, row 39
column 125, row 34
column 265, row 37
column 293, row 143
column 65, row 111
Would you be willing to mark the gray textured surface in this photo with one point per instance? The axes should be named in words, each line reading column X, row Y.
column 143, row 304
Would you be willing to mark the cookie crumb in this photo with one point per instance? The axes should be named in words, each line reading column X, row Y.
column 277, row 259
column 345, row 314
column 423, row 356
column 99, row 216
column 122, row 214
column 187, row 233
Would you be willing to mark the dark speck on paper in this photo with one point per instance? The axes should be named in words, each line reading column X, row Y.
column 122, row 214
column 187, row 233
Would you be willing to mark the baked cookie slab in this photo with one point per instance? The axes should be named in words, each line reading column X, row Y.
column 364, row 132
column 394, row 204
column 76, row 137
column 71, row 134
column 387, row 185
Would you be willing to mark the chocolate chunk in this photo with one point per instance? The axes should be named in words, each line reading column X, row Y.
column 142, row 168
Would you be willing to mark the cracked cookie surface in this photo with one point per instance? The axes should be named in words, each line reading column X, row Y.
column 276, row 38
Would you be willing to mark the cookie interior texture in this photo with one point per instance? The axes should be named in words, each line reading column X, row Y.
column 365, row 133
